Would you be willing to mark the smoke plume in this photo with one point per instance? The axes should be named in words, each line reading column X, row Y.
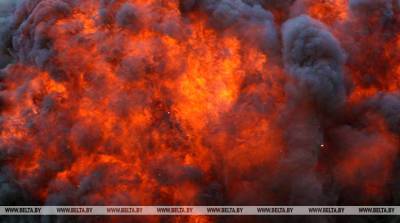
column 199, row 102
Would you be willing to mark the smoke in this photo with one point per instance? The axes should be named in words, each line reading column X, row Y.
column 199, row 102
column 6, row 10
column 315, row 60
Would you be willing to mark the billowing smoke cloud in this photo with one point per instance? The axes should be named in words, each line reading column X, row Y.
column 314, row 58
column 7, row 8
column 199, row 102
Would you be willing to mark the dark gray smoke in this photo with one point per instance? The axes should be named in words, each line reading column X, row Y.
column 316, row 123
column 315, row 60
column 7, row 8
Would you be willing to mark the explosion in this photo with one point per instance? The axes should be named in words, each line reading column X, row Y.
column 199, row 102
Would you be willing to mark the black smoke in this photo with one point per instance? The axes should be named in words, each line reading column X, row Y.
column 330, row 149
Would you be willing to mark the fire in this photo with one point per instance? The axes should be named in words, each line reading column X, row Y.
column 329, row 11
column 354, row 165
column 211, row 82
column 153, row 102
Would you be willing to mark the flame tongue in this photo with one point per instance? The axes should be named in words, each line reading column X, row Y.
column 198, row 102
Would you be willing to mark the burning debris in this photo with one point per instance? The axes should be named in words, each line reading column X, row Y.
column 199, row 102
